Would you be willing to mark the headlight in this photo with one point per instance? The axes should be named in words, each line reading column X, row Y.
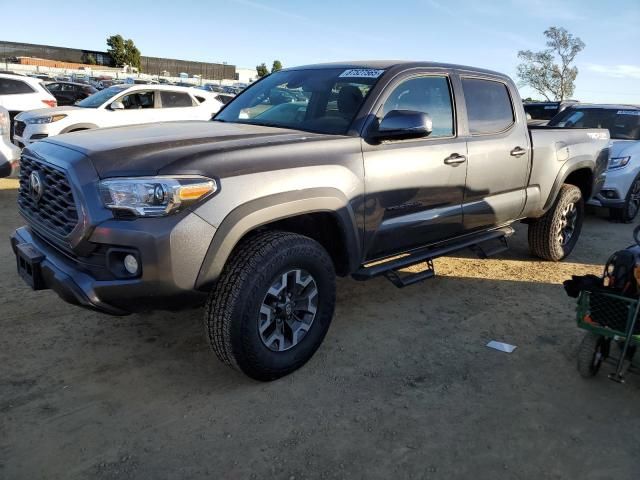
column 618, row 162
column 47, row 119
column 155, row 196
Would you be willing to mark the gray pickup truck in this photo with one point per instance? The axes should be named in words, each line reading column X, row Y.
column 359, row 169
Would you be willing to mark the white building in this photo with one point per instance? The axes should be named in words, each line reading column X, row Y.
column 246, row 75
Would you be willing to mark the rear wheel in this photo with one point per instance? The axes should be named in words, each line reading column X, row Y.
column 555, row 234
column 591, row 353
column 631, row 206
column 272, row 305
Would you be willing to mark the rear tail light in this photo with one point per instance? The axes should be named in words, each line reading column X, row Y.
column 51, row 103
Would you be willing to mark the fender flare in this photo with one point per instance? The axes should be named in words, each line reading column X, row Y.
column 280, row 206
column 86, row 126
column 566, row 170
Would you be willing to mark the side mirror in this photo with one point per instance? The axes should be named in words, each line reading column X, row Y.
column 404, row 124
column 117, row 106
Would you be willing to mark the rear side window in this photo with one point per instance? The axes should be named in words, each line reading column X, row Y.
column 489, row 106
column 430, row 95
column 9, row 86
column 175, row 99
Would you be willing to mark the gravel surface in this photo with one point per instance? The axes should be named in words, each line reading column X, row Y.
column 403, row 386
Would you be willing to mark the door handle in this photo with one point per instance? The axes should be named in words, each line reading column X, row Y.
column 455, row 159
column 518, row 152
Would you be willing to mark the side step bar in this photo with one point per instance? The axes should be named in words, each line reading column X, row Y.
column 479, row 244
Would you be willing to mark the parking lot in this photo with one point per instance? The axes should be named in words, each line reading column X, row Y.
column 403, row 386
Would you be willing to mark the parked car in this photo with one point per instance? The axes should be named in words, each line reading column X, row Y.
column 9, row 153
column 19, row 93
column 621, row 190
column 68, row 93
column 255, row 218
column 114, row 106
column 539, row 113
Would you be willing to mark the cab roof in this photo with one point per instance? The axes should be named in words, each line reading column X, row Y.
column 395, row 65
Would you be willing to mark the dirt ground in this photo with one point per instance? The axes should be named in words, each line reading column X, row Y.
column 403, row 386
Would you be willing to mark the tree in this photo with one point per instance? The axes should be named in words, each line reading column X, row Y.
column 90, row 59
column 132, row 54
column 116, row 50
column 123, row 52
column 540, row 71
column 262, row 70
column 277, row 66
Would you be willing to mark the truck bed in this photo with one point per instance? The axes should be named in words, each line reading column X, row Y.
column 553, row 145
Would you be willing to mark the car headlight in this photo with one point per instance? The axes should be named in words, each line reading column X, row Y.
column 155, row 196
column 47, row 119
column 618, row 162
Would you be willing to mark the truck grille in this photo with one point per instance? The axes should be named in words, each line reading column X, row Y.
column 56, row 209
column 18, row 128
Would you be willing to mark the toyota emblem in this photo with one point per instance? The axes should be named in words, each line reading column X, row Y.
column 36, row 185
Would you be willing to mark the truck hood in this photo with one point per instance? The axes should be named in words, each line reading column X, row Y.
column 624, row 148
column 43, row 112
column 187, row 147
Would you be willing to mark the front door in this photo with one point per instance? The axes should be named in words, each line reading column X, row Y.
column 413, row 189
column 498, row 155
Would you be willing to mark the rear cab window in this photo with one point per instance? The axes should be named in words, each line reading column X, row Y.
column 9, row 86
column 489, row 106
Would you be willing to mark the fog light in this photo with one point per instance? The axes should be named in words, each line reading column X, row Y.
column 131, row 264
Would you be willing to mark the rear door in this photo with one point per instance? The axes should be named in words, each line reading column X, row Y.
column 498, row 154
column 176, row 105
column 413, row 192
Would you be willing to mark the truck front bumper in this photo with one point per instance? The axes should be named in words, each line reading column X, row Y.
column 170, row 261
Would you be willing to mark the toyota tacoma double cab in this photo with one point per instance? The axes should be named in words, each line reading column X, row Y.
column 356, row 169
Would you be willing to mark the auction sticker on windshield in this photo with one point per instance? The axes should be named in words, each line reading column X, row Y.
column 361, row 73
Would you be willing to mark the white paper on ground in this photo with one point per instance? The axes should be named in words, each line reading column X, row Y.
column 503, row 347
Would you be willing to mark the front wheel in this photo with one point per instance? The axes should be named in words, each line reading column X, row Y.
column 555, row 234
column 272, row 305
column 631, row 206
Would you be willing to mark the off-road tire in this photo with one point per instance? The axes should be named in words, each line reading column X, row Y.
column 544, row 241
column 588, row 364
column 629, row 211
column 233, row 306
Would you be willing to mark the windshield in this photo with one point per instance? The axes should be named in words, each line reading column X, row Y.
column 543, row 111
column 97, row 99
column 623, row 124
column 322, row 101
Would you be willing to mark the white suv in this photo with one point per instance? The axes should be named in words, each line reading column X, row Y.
column 19, row 93
column 117, row 106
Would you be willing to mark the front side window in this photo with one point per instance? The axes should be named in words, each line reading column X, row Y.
column 53, row 87
column 430, row 95
column 175, row 99
column 9, row 86
column 489, row 106
column 137, row 100
column 317, row 100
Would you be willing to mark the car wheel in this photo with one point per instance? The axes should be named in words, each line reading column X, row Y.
column 631, row 206
column 272, row 305
column 555, row 234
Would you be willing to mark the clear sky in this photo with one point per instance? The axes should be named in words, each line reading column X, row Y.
column 247, row 32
